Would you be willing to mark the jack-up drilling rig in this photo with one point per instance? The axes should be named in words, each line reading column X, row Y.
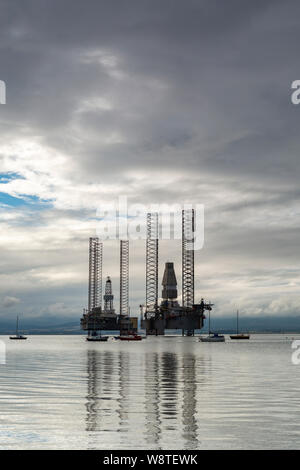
column 95, row 319
column 169, row 314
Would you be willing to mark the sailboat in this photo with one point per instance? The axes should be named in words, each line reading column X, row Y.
column 126, row 334
column 238, row 335
column 18, row 335
column 130, row 337
column 212, row 337
column 96, row 337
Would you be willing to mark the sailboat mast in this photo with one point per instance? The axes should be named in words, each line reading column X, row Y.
column 237, row 322
column 17, row 326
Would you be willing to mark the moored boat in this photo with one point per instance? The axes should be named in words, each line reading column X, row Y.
column 97, row 338
column 212, row 338
column 18, row 335
column 239, row 335
column 129, row 337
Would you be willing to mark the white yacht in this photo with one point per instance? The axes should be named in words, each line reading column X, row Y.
column 212, row 337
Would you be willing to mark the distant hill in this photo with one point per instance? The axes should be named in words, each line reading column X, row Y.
column 256, row 324
column 41, row 325
column 58, row 325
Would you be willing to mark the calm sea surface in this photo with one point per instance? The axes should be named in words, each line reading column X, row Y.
column 60, row 392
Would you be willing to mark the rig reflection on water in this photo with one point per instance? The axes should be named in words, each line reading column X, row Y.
column 162, row 401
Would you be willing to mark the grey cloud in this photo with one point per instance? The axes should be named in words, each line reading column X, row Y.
column 198, row 90
column 8, row 301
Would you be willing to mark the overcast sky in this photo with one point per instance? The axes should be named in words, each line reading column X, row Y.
column 160, row 101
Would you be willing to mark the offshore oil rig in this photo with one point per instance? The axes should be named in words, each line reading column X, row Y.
column 157, row 317
column 95, row 318
column 169, row 315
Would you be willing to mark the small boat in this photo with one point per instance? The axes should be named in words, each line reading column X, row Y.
column 18, row 335
column 239, row 335
column 94, row 336
column 130, row 337
column 212, row 338
column 97, row 338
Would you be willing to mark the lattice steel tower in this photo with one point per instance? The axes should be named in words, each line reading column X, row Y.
column 152, row 264
column 95, row 273
column 188, row 230
column 124, row 277
column 108, row 296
